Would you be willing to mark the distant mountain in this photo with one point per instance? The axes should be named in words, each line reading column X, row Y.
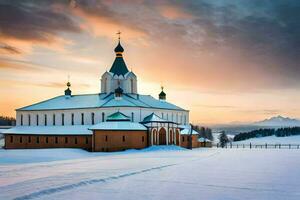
column 278, row 121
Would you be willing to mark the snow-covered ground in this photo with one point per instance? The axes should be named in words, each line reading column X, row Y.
column 272, row 140
column 156, row 173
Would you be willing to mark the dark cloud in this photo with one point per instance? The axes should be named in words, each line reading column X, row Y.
column 35, row 22
column 9, row 49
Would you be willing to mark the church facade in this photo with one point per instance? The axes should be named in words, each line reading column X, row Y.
column 115, row 119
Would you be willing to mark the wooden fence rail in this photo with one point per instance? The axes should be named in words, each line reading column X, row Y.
column 260, row 146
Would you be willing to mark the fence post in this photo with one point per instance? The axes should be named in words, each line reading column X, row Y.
column 279, row 146
column 289, row 146
column 230, row 145
column 266, row 145
column 243, row 146
column 298, row 146
column 237, row 146
column 250, row 145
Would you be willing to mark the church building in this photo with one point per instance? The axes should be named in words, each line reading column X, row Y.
column 117, row 118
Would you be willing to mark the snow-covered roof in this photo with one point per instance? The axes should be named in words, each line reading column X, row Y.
column 153, row 118
column 118, row 125
column 186, row 130
column 117, row 116
column 202, row 139
column 50, row 130
column 99, row 101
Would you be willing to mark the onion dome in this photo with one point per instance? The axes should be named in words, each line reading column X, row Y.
column 162, row 94
column 119, row 67
column 119, row 49
column 68, row 92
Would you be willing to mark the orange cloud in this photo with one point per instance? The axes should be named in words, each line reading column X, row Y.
column 173, row 12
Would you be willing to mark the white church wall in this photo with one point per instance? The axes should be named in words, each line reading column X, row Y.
column 138, row 113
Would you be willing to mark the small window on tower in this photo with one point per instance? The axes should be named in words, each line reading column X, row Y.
column 21, row 120
column 123, row 138
column 11, row 139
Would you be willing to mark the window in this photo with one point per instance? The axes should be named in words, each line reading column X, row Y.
column 82, row 118
column 66, row 140
column 143, row 138
column 167, row 116
column 177, row 117
column 62, row 119
column 184, row 119
column 106, row 138
column 56, row 140
column 47, row 140
column 38, row 139
column 45, row 116
column 29, row 139
column 172, row 117
column 21, row 120
column 131, row 84
column 72, row 119
column 21, row 139
column 76, row 140
column 132, row 116
column 162, row 115
column 93, row 118
column 37, row 120
column 11, row 139
column 29, row 120
column 86, row 140
column 182, row 138
column 53, row 119
column 123, row 138
column 103, row 116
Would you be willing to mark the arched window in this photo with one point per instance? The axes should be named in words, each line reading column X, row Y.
column 132, row 117
column 29, row 120
column 53, row 120
column 21, row 120
column 72, row 119
column 103, row 116
column 37, row 120
column 93, row 118
column 82, row 118
column 131, row 85
column 62, row 119
column 45, row 120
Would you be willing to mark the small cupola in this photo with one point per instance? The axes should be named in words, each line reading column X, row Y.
column 118, row 93
column 162, row 95
column 68, row 92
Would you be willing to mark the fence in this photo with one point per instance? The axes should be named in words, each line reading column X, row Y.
column 260, row 146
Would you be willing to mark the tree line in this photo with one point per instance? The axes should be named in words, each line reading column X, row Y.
column 281, row 132
column 7, row 121
column 204, row 132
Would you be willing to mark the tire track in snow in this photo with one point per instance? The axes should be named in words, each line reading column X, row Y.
column 86, row 182
column 52, row 190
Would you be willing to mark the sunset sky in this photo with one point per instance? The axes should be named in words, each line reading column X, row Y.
column 223, row 60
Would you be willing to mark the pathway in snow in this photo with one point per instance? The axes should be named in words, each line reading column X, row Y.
column 210, row 174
